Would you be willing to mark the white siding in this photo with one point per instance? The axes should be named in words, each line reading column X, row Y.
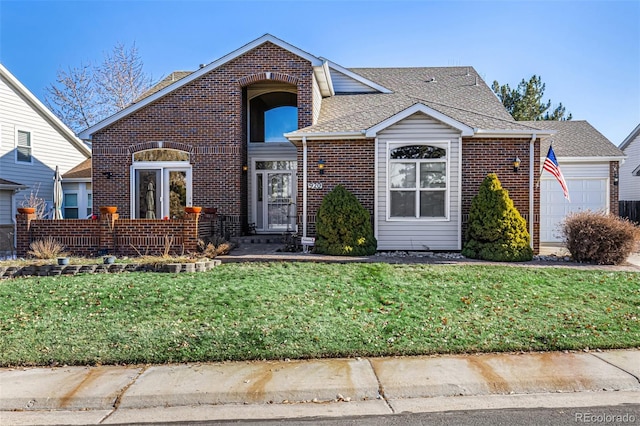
column 419, row 234
column 49, row 147
column 346, row 84
column 629, row 184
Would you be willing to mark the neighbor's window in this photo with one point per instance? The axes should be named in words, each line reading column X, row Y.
column 23, row 148
column 70, row 205
column 418, row 182
column 272, row 115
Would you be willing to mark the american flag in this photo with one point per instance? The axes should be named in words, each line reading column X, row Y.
column 551, row 165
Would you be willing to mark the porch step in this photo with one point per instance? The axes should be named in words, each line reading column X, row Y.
column 257, row 239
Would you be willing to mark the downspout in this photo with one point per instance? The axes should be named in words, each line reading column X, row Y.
column 304, row 186
column 531, row 186
column 375, row 188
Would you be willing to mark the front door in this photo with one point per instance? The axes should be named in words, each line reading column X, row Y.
column 274, row 200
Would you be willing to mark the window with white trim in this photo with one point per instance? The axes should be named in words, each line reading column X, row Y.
column 23, row 147
column 417, row 182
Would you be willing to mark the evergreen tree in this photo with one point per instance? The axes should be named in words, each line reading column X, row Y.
column 525, row 102
column 343, row 226
column 496, row 230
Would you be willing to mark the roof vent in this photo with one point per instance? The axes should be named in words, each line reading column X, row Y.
column 203, row 65
column 467, row 74
column 430, row 80
column 476, row 81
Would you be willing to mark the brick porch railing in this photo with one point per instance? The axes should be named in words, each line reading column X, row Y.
column 110, row 234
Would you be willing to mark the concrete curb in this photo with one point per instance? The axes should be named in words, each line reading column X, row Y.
column 328, row 387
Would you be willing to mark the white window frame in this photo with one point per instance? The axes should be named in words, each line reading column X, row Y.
column 444, row 144
column 165, row 167
column 18, row 130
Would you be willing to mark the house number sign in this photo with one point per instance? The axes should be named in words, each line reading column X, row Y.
column 314, row 185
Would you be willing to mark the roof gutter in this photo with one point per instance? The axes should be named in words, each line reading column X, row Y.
column 325, row 135
column 511, row 133
column 587, row 159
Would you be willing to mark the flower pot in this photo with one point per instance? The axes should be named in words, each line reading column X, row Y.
column 26, row 210
column 109, row 259
column 63, row 261
column 108, row 209
column 190, row 209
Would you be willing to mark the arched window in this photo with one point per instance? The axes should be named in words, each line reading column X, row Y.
column 271, row 115
column 417, row 182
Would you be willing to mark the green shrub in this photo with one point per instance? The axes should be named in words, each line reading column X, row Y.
column 599, row 238
column 343, row 226
column 496, row 231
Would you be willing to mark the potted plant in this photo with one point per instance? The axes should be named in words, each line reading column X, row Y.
column 108, row 209
column 26, row 210
column 192, row 209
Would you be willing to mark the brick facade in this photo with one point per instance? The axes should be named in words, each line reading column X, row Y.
column 207, row 118
column 110, row 234
column 614, row 194
column 347, row 162
column 481, row 156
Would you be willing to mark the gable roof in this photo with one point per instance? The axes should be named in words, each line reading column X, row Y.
column 454, row 92
column 320, row 66
column 39, row 107
column 577, row 139
column 81, row 171
column 634, row 134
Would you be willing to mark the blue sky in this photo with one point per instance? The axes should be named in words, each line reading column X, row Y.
column 587, row 52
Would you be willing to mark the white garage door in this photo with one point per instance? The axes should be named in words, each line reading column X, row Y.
column 585, row 193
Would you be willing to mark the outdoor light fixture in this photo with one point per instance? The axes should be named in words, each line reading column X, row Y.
column 245, row 167
column 616, row 179
column 516, row 164
column 321, row 166
column 108, row 175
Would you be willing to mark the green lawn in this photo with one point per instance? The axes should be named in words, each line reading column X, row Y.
column 302, row 310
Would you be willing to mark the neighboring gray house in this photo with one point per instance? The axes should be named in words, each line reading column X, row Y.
column 33, row 141
column 630, row 169
column 590, row 164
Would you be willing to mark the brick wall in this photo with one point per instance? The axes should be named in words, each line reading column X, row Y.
column 347, row 162
column 614, row 205
column 483, row 156
column 207, row 117
column 110, row 234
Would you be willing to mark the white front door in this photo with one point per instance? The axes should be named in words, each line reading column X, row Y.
column 274, row 208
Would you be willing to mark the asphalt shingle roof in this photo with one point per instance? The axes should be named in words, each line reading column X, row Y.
column 449, row 90
column 81, row 171
column 575, row 138
column 170, row 79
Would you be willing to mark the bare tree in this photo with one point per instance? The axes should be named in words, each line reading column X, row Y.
column 73, row 98
column 85, row 95
column 120, row 79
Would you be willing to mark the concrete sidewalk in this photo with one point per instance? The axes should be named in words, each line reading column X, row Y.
column 329, row 387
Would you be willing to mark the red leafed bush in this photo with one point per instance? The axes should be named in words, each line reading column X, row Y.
column 599, row 238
